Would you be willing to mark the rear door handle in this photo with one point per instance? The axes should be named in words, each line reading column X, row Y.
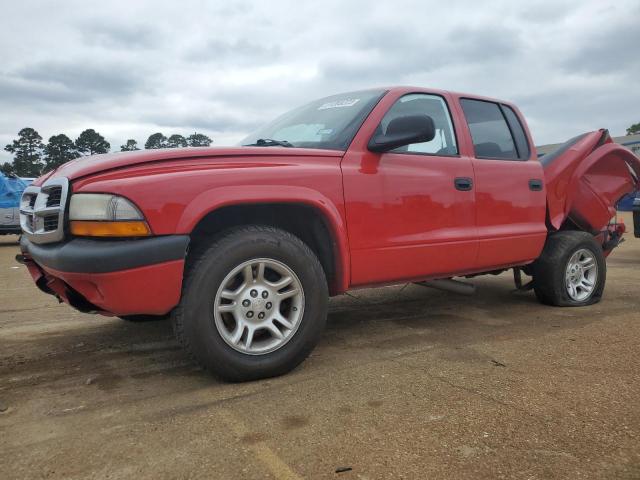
column 463, row 184
column 535, row 185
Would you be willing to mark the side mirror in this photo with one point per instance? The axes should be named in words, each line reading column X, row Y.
column 403, row 131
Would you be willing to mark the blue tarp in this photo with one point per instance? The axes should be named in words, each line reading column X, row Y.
column 11, row 189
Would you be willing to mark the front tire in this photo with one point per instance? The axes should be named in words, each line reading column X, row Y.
column 571, row 271
column 254, row 304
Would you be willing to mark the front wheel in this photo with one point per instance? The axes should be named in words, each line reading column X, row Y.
column 571, row 270
column 254, row 304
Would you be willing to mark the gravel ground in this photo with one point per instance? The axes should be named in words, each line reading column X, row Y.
column 407, row 382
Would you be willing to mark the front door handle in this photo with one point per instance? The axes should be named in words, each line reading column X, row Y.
column 535, row 185
column 463, row 184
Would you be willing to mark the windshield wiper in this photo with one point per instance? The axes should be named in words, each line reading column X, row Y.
column 270, row 142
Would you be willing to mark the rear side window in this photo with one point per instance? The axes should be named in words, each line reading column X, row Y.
column 492, row 137
column 518, row 132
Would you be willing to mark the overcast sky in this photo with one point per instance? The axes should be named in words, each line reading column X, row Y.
column 132, row 68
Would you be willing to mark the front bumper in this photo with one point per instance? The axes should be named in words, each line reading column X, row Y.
column 114, row 277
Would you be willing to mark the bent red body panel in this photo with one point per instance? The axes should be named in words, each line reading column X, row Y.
column 153, row 289
column 586, row 181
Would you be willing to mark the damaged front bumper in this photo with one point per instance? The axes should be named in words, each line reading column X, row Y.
column 112, row 277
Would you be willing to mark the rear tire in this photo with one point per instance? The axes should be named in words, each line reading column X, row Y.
column 233, row 318
column 571, row 271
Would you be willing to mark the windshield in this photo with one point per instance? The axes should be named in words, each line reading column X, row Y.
column 329, row 123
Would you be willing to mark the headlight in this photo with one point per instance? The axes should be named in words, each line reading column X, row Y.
column 99, row 206
column 104, row 215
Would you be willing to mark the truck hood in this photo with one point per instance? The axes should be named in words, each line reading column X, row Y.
column 83, row 166
column 585, row 178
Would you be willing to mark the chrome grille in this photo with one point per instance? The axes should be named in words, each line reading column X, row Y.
column 42, row 211
column 50, row 223
column 53, row 200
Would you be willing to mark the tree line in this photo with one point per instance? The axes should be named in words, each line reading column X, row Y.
column 32, row 158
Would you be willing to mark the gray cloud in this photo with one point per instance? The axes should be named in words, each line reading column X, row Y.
column 478, row 45
column 546, row 13
column 118, row 35
column 82, row 78
column 15, row 90
column 610, row 50
column 457, row 44
column 209, row 121
column 129, row 69
column 395, row 52
column 238, row 52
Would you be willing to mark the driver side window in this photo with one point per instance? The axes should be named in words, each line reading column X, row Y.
column 444, row 141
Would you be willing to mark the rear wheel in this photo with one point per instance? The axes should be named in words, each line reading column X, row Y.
column 253, row 305
column 571, row 270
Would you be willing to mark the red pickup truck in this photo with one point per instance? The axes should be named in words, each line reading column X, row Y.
column 242, row 246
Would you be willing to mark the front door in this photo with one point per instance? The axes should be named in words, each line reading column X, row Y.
column 410, row 212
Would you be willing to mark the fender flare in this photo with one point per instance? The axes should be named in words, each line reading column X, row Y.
column 225, row 196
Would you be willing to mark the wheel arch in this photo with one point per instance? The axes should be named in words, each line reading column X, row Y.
column 290, row 208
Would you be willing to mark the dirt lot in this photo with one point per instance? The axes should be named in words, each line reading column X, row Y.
column 408, row 382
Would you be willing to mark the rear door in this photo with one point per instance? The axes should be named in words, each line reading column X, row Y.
column 407, row 217
column 509, row 186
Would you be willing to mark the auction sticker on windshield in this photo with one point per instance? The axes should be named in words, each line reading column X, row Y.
column 348, row 102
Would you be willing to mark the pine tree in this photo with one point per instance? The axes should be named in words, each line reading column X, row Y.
column 155, row 141
column 198, row 140
column 130, row 146
column 7, row 169
column 27, row 151
column 91, row 142
column 59, row 150
column 176, row 141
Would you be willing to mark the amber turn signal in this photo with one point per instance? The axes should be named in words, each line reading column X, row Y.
column 83, row 228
